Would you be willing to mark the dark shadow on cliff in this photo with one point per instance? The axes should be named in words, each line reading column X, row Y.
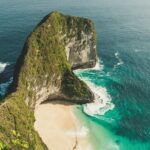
column 18, row 66
column 55, row 102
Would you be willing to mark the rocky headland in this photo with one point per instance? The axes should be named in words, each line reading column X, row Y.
column 44, row 73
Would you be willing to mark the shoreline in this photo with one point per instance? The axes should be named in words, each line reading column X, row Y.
column 59, row 127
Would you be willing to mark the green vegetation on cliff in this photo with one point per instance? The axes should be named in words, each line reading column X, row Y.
column 44, row 62
column 17, row 117
column 73, row 87
column 42, row 65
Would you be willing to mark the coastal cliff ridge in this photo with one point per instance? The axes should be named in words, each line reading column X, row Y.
column 44, row 71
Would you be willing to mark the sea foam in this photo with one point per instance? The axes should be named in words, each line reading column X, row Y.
column 120, row 61
column 3, row 66
column 102, row 102
column 99, row 66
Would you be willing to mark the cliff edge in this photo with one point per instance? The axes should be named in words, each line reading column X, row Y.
column 44, row 71
column 57, row 45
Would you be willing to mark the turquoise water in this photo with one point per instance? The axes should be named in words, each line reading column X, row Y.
column 121, row 83
column 125, row 127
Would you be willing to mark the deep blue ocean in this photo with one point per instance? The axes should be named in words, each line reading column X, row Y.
column 121, row 81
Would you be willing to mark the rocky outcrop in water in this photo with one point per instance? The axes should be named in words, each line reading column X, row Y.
column 44, row 71
column 56, row 46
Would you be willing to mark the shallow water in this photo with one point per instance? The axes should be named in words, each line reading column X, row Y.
column 123, row 34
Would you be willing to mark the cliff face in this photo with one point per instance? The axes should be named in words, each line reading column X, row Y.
column 80, row 46
column 57, row 45
column 43, row 72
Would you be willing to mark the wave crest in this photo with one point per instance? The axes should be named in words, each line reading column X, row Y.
column 102, row 102
column 120, row 61
column 3, row 66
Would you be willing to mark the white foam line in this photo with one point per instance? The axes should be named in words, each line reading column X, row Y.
column 98, row 66
column 3, row 66
column 102, row 102
column 120, row 62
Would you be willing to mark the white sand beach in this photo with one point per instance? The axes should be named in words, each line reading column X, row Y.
column 59, row 128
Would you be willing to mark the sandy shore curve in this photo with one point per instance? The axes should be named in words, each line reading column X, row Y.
column 59, row 128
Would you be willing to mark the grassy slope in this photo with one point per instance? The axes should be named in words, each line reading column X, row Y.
column 16, row 116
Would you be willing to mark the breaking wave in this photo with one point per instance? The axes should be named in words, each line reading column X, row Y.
column 99, row 66
column 3, row 66
column 102, row 102
column 120, row 61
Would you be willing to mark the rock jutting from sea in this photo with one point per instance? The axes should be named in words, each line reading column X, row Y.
column 44, row 71
column 56, row 46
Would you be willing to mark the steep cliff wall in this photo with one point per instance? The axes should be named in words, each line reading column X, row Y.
column 57, row 45
column 43, row 72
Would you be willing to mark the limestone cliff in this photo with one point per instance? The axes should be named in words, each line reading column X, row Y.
column 56, row 46
column 43, row 72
